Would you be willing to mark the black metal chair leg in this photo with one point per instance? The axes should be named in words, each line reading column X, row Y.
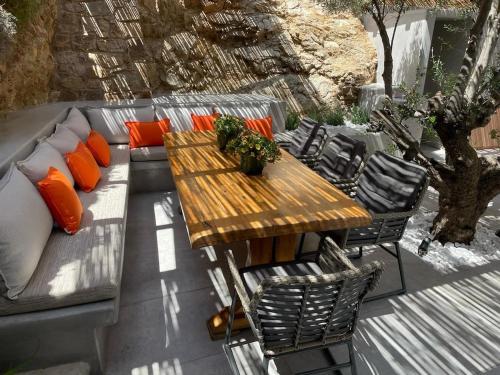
column 229, row 326
column 358, row 255
column 401, row 269
column 352, row 358
column 301, row 246
column 401, row 290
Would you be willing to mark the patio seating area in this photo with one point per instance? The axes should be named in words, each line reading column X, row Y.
column 183, row 264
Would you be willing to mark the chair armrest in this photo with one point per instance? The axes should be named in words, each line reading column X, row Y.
column 332, row 258
column 238, row 282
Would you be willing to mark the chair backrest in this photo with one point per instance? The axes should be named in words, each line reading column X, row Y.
column 342, row 158
column 389, row 184
column 304, row 135
column 310, row 311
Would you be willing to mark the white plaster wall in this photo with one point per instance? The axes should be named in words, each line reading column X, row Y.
column 411, row 47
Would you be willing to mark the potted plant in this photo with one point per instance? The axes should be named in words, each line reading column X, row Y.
column 255, row 151
column 227, row 127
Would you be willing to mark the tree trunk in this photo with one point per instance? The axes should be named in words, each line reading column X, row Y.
column 388, row 62
column 460, row 199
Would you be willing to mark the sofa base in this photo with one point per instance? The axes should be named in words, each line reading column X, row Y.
column 150, row 176
column 48, row 338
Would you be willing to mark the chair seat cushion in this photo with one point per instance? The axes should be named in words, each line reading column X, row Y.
column 253, row 277
column 85, row 267
column 150, row 153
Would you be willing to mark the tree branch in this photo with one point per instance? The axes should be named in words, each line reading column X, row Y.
column 490, row 177
column 400, row 11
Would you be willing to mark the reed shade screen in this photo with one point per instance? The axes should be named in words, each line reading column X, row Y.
column 223, row 205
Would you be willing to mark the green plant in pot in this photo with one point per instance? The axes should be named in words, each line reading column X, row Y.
column 227, row 127
column 254, row 150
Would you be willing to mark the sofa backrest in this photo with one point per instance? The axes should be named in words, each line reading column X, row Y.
column 20, row 131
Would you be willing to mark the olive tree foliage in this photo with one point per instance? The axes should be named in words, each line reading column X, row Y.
column 7, row 23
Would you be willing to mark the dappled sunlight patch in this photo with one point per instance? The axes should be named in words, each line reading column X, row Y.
column 171, row 367
column 448, row 258
column 449, row 329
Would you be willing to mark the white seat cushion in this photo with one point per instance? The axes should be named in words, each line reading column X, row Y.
column 110, row 122
column 150, row 153
column 77, row 123
column 25, row 226
column 85, row 267
column 37, row 164
column 63, row 140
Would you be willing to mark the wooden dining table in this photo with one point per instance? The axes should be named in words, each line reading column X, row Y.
column 222, row 205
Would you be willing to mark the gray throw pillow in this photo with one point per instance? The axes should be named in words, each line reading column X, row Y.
column 25, row 227
column 37, row 164
column 110, row 122
column 77, row 123
column 63, row 140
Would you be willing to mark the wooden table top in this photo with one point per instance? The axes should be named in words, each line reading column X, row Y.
column 223, row 205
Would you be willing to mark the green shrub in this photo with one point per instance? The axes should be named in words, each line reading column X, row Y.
column 292, row 121
column 359, row 116
column 329, row 115
column 335, row 116
column 23, row 10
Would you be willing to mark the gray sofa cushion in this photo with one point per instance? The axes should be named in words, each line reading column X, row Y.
column 25, row 226
column 110, row 122
column 180, row 117
column 36, row 166
column 63, row 140
column 150, row 153
column 85, row 267
column 77, row 123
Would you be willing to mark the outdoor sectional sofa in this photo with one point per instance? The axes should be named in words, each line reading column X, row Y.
column 63, row 314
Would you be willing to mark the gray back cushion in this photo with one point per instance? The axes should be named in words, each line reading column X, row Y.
column 303, row 137
column 25, row 226
column 110, row 122
column 390, row 184
column 342, row 158
column 180, row 116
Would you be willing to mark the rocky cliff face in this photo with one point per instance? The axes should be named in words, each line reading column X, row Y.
column 136, row 48
column 26, row 61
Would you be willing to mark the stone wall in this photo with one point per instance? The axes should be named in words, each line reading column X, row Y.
column 26, row 62
column 135, row 48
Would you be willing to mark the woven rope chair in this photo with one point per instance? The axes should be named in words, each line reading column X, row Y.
column 391, row 189
column 298, row 136
column 298, row 305
column 341, row 162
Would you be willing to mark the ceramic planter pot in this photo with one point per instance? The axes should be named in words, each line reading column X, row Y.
column 222, row 141
column 251, row 166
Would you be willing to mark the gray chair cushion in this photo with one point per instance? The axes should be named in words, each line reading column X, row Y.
column 342, row 158
column 253, row 278
column 305, row 136
column 110, row 122
column 390, row 184
column 150, row 153
column 85, row 267
column 25, row 226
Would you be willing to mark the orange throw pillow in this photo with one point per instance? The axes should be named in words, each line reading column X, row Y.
column 83, row 167
column 99, row 148
column 263, row 125
column 202, row 123
column 147, row 133
column 62, row 200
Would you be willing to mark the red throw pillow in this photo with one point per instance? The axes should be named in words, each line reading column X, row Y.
column 83, row 167
column 62, row 200
column 99, row 148
column 263, row 125
column 144, row 134
column 202, row 123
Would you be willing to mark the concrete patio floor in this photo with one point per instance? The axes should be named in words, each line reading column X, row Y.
column 446, row 323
